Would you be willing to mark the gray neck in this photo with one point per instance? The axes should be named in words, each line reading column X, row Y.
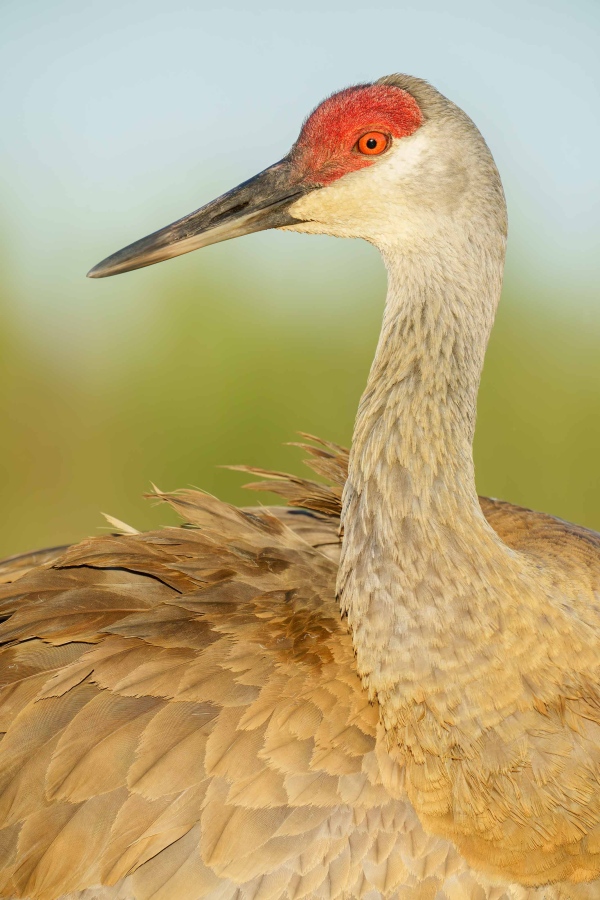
column 414, row 533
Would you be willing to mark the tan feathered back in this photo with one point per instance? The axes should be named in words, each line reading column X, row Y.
column 183, row 717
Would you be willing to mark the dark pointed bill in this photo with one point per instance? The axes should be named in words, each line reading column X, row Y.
column 259, row 203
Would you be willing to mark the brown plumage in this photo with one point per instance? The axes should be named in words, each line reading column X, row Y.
column 251, row 707
column 185, row 720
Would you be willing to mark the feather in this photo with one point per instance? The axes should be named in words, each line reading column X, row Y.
column 184, row 719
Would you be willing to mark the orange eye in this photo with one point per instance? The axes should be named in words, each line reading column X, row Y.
column 373, row 143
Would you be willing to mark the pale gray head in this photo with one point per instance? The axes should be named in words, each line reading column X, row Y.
column 393, row 162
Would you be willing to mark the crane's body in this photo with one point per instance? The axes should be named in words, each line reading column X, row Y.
column 187, row 714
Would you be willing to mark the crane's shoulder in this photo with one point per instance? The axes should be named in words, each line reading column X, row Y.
column 550, row 539
column 553, row 541
column 570, row 547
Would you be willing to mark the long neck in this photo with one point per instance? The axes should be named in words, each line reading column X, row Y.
column 416, row 543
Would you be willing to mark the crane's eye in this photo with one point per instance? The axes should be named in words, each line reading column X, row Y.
column 373, row 143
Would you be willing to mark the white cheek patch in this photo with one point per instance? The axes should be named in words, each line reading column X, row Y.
column 359, row 203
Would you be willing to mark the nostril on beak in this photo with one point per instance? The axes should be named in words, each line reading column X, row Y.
column 232, row 211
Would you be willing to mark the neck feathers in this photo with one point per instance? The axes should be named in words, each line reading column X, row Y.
column 414, row 534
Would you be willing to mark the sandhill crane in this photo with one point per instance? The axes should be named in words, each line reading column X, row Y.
column 188, row 715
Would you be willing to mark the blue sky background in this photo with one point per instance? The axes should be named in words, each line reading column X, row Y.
column 121, row 115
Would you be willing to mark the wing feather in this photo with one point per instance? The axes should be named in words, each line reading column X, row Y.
column 184, row 720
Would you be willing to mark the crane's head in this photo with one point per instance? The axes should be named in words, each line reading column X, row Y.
column 380, row 161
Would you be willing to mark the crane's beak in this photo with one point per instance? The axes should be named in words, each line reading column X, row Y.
column 257, row 204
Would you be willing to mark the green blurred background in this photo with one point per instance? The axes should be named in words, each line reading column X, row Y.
column 120, row 117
